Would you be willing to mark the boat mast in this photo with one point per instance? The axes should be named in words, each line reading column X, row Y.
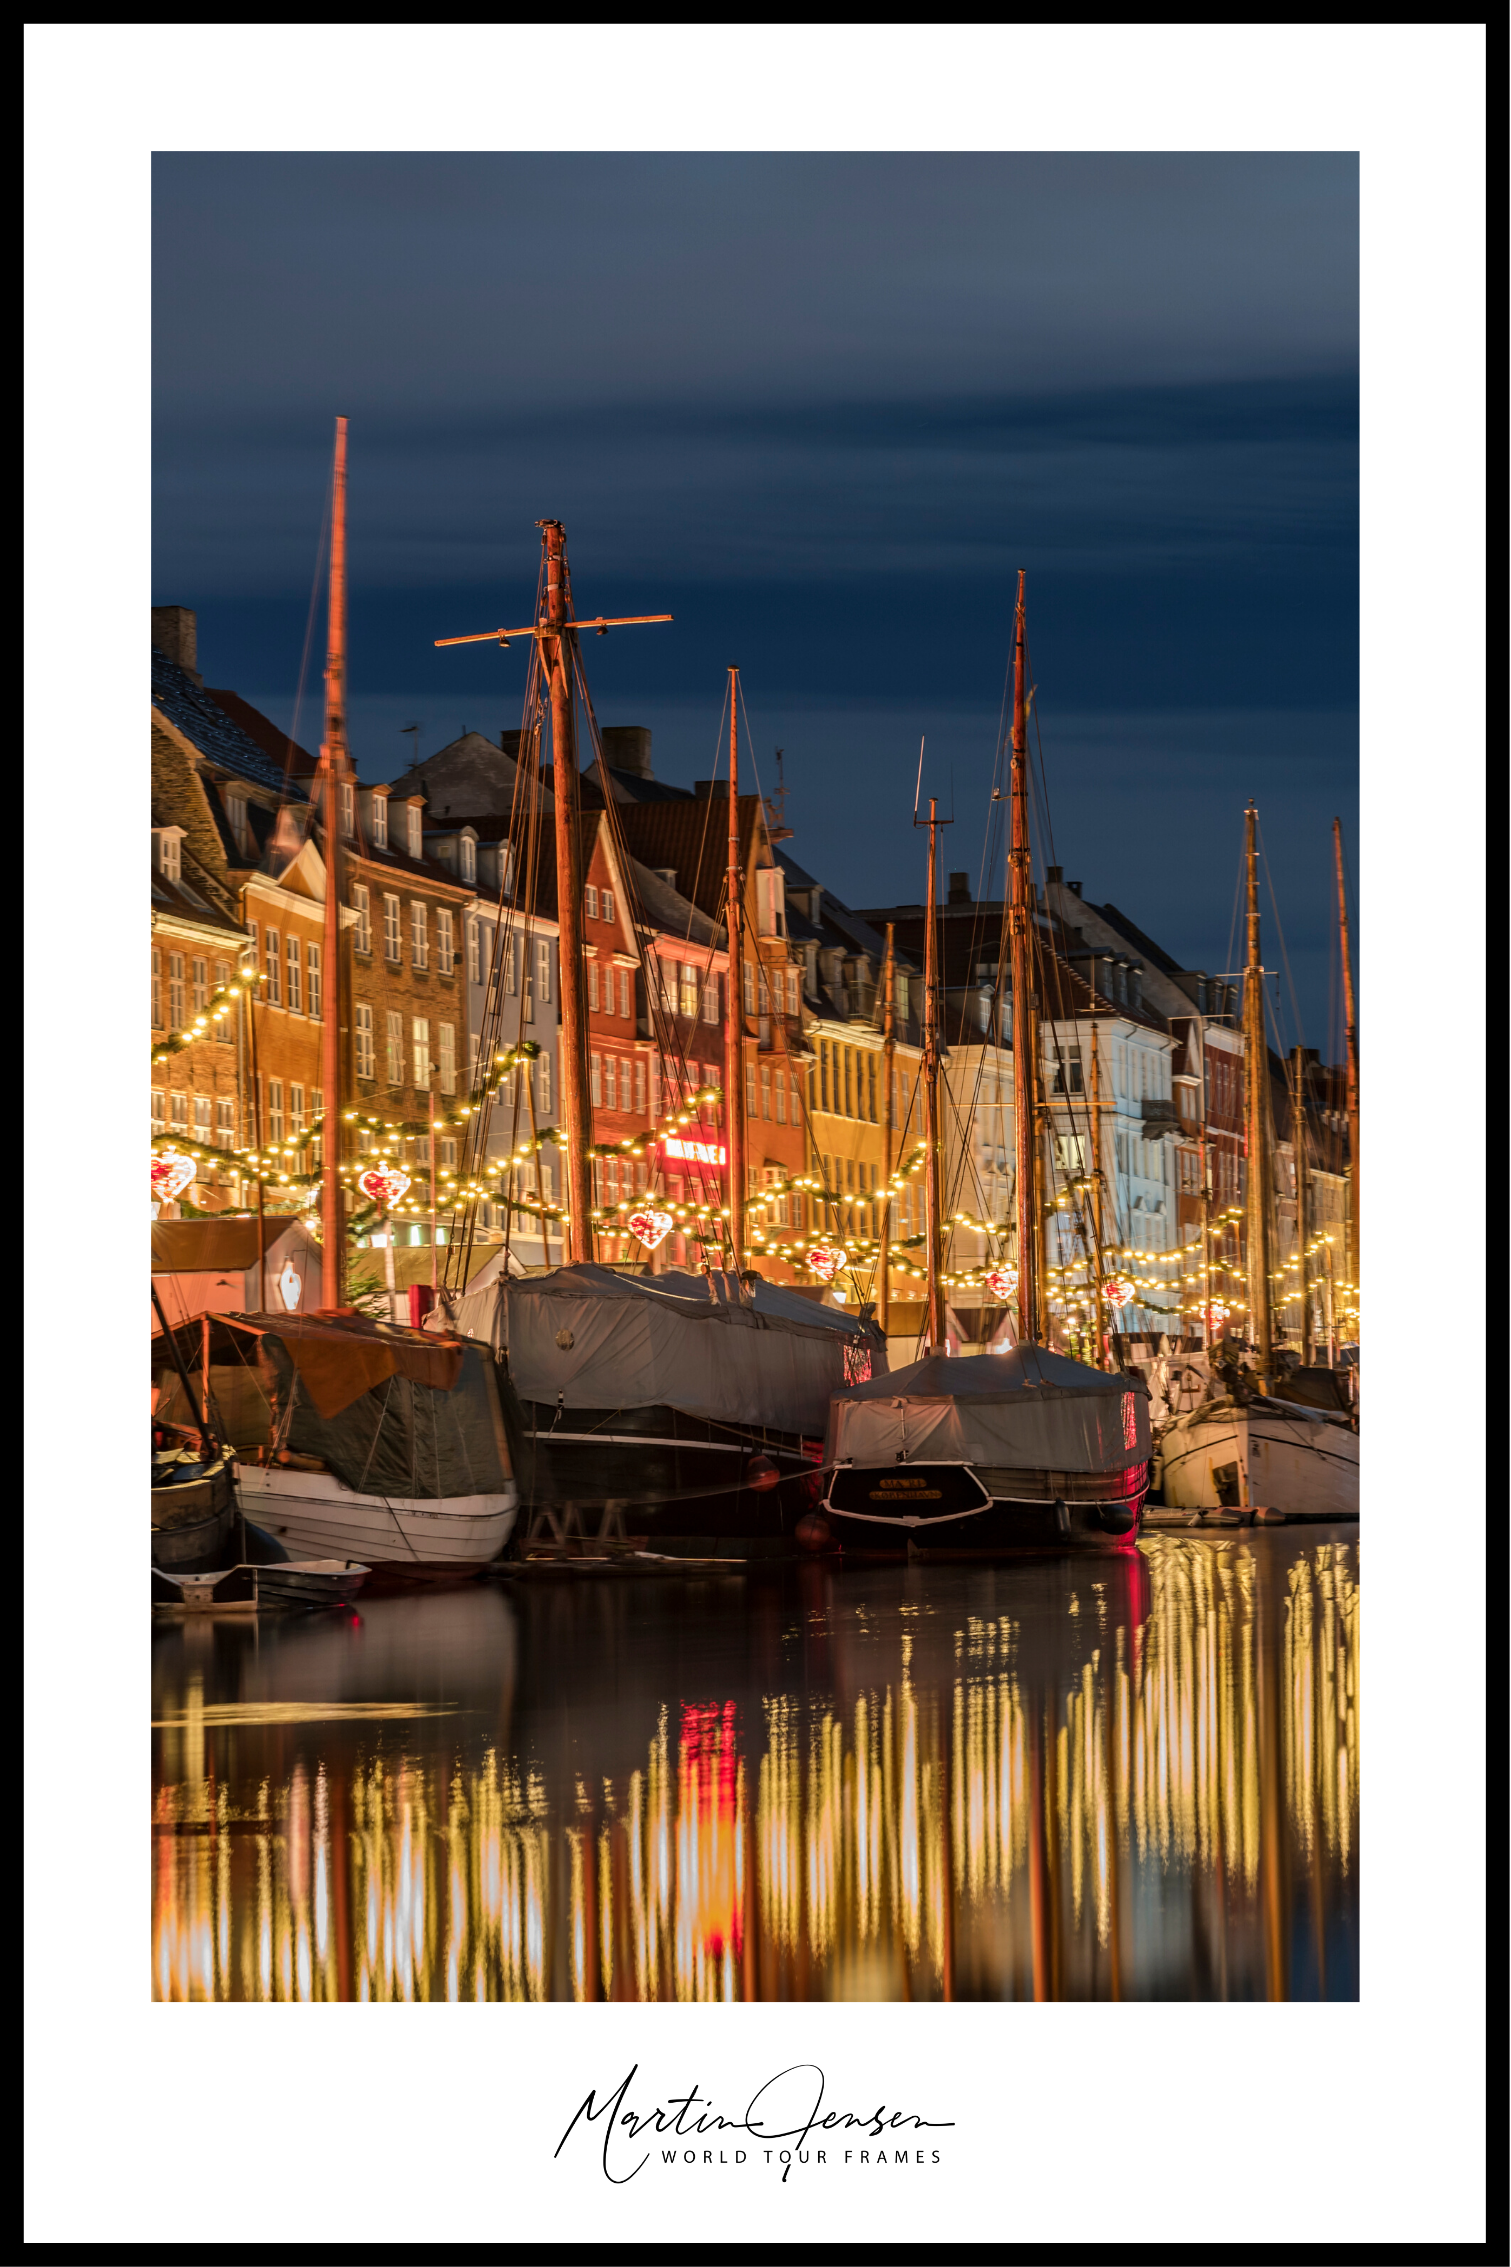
column 1099, row 1302
column 575, row 1122
column 734, row 1021
column 1256, row 1101
column 888, row 1074
column 1303, row 1230
column 1025, row 1122
column 1351, row 1022
column 936, row 1335
column 337, row 769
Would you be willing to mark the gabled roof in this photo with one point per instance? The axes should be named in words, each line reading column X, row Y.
column 1137, row 938
column 285, row 752
column 199, row 719
column 667, row 910
column 691, row 836
column 181, row 900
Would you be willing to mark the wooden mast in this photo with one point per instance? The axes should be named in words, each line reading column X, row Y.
column 1351, row 1024
column 734, row 1021
column 1256, row 1110
column 1303, row 1229
column 888, row 1075
column 1098, row 1295
column 336, row 767
column 575, row 1119
column 1025, row 1118
column 934, row 1328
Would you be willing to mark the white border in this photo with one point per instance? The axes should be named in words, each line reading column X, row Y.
column 1093, row 2125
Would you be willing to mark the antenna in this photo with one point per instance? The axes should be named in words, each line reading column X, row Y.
column 415, row 730
column 918, row 789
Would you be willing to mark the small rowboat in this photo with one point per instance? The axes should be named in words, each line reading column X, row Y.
column 297, row 1586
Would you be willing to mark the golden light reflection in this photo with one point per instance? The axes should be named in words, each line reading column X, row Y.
column 1163, row 1804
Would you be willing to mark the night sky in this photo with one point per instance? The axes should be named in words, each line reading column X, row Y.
column 821, row 409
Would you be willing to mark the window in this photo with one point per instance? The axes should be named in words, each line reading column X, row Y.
column 419, row 935
column 347, row 795
column 380, row 822
column 475, row 955
column 543, row 970
column 688, row 1002
column 590, row 901
column 711, row 999
column 394, row 1025
column 422, row 1050
column 416, row 830
column 871, row 1088
column 608, row 905
column 468, row 849
column 593, row 985
column 200, row 977
column 595, row 1070
column 391, row 929
column 296, row 987
column 275, row 1110
column 223, row 1020
column 168, row 854
column 202, row 1118
column 225, row 1123
column 750, row 1090
column 157, row 991
column 366, row 1067
column 446, row 1037
column 509, row 966
column 823, row 1074
column 176, row 1017
column 543, row 1085
column 794, row 996
column 781, row 1098
column 362, row 907
column 296, row 1110
column 900, row 994
column 640, row 1086
column 625, row 1003
column 312, row 979
column 445, row 947
column 749, row 989
column 178, row 1112
column 763, row 990
column 610, row 1083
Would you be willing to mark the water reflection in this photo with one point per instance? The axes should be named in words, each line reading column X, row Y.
column 1132, row 1779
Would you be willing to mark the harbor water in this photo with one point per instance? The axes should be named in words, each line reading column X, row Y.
column 1132, row 1776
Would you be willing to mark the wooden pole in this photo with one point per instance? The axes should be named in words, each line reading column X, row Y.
column 575, row 1117
column 1098, row 1296
column 889, row 1121
column 1298, row 1144
column 1025, row 1116
column 1351, row 1025
column 333, row 757
column 434, row 1276
column 734, row 1022
column 1256, row 1086
column 934, row 1329
column 1206, row 1208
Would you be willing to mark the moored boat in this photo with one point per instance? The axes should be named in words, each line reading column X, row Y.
column 194, row 1506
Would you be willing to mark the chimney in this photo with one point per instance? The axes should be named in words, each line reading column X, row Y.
column 175, row 632
column 509, row 742
column 703, row 788
column 627, row 747
column 1053, row 874
column 960, row 889
column 1075, row 888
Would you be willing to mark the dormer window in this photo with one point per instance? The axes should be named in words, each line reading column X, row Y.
column 416, row 830
column 239, row 824
column 469, row 859
column 168, row 860
column 380, row 822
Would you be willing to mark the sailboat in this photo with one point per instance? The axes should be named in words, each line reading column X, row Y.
column 989, row 1451
column 358, row 1441
column 680, row 1408
column 1249, row 1443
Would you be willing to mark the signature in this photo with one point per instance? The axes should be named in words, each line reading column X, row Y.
column 789, row 2107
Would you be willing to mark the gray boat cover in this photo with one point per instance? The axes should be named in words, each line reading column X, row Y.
column 1027, row 1409
column 595, row 1339
column 401, row 1437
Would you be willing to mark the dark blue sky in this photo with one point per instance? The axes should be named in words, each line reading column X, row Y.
column 820, row 408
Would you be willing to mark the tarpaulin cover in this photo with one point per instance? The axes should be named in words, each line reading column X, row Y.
column 337, row 1360
column 597, row 1340
column 1027, row 1409
column 203, row 1247
column 403, row 1436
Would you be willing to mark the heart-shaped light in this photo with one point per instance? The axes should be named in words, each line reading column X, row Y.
column 171, row 1175
column 385, row 1184
column 826, row 1260
column 1118, row 1292
column 651, row 1226
column 1002, row 1282
column 1217, row 1314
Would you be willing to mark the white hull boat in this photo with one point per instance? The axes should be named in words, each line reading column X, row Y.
column 314, row 1515
column 1304, row 1462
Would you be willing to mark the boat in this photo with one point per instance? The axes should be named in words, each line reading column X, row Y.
column 1026, row 1448
column 681, row 1408
column 195, row 1511
column 291, row 1586
column 1266, row 1433
column 361, row 1441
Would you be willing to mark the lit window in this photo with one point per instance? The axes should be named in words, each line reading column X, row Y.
column 312, row 979
column 380, row 822
column 688, row 1005
column 391, row 929
column 446, row 1039
column 416, row 830
column 445, row 950
column 296, row 987
column 422, row 1050
column 365, row 1064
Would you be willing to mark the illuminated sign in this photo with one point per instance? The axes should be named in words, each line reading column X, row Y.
column 708, row 1151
